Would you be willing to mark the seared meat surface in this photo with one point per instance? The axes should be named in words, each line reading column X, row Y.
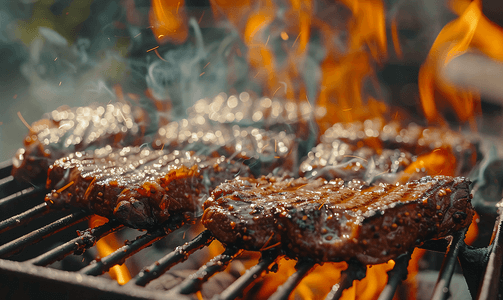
column 342, row 160
column 412, row 138
column 243, row 110
column 263, row 150
column 337, row 220
column 67, row 130
column 140, row 188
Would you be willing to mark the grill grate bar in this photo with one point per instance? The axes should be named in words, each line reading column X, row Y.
column 19, row 196
column 71, row 285
column 24, row 217
column 9, row 185
column 236, row 288
column 13, row 193
column 194, row 282
column 355, row 271
column 282, row 293
column 441, row 290
column 395, row 276
column 179, row 255
column 37, row 235
column 120, row 255
column 78, row 245
column 492, row 276
column 5, row 168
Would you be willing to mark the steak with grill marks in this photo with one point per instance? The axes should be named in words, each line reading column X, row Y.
column 67, row 130
column 141, row 188
column 337, row 220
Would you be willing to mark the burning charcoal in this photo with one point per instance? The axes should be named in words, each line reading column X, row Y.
column 141, row 188
column 337, row 220
column 66, row 130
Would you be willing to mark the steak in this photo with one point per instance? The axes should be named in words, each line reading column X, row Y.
column 263, row 150
column 341, row 160
column 411, row 138
column 140, row 188
column 337, row 220
column 68, row 130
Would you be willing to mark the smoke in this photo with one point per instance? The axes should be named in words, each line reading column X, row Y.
column 75, row 52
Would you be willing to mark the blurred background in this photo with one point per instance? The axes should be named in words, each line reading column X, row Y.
column 69, row 52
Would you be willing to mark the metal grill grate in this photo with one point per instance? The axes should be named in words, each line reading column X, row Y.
column 476, row 262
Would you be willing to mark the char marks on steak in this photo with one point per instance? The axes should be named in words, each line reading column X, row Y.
column 140, row 188
column 67, row 130
column 337, row 220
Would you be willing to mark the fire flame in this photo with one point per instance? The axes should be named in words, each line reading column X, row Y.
column 169, row 21
column 106, row 246
column 266, row 25
column 472, row 30
column 320, row 280
column 345, row 72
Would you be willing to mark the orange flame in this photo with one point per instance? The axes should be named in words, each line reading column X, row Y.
column 106, row 246
column 473, row 230
column 341, row 94
column 258, row 25
column 318, row 283
column 438, row 162
column 345, row 73
column 169, row 21
column 472, row 30
column 368, row 27
column 396, row 40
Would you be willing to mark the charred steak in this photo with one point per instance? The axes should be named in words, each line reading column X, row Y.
column 140, row 188
column 337, row 220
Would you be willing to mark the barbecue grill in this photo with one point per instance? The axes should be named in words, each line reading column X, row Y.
column 481, row 266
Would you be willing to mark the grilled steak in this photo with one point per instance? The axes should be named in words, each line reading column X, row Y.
column 411, row 138
column 337, row 220
column 68, row 130
column 263, row 150
column 140, row 188
column 243, row 110
column 342, row 160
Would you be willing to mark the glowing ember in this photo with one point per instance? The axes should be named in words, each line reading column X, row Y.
column 108, row 245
